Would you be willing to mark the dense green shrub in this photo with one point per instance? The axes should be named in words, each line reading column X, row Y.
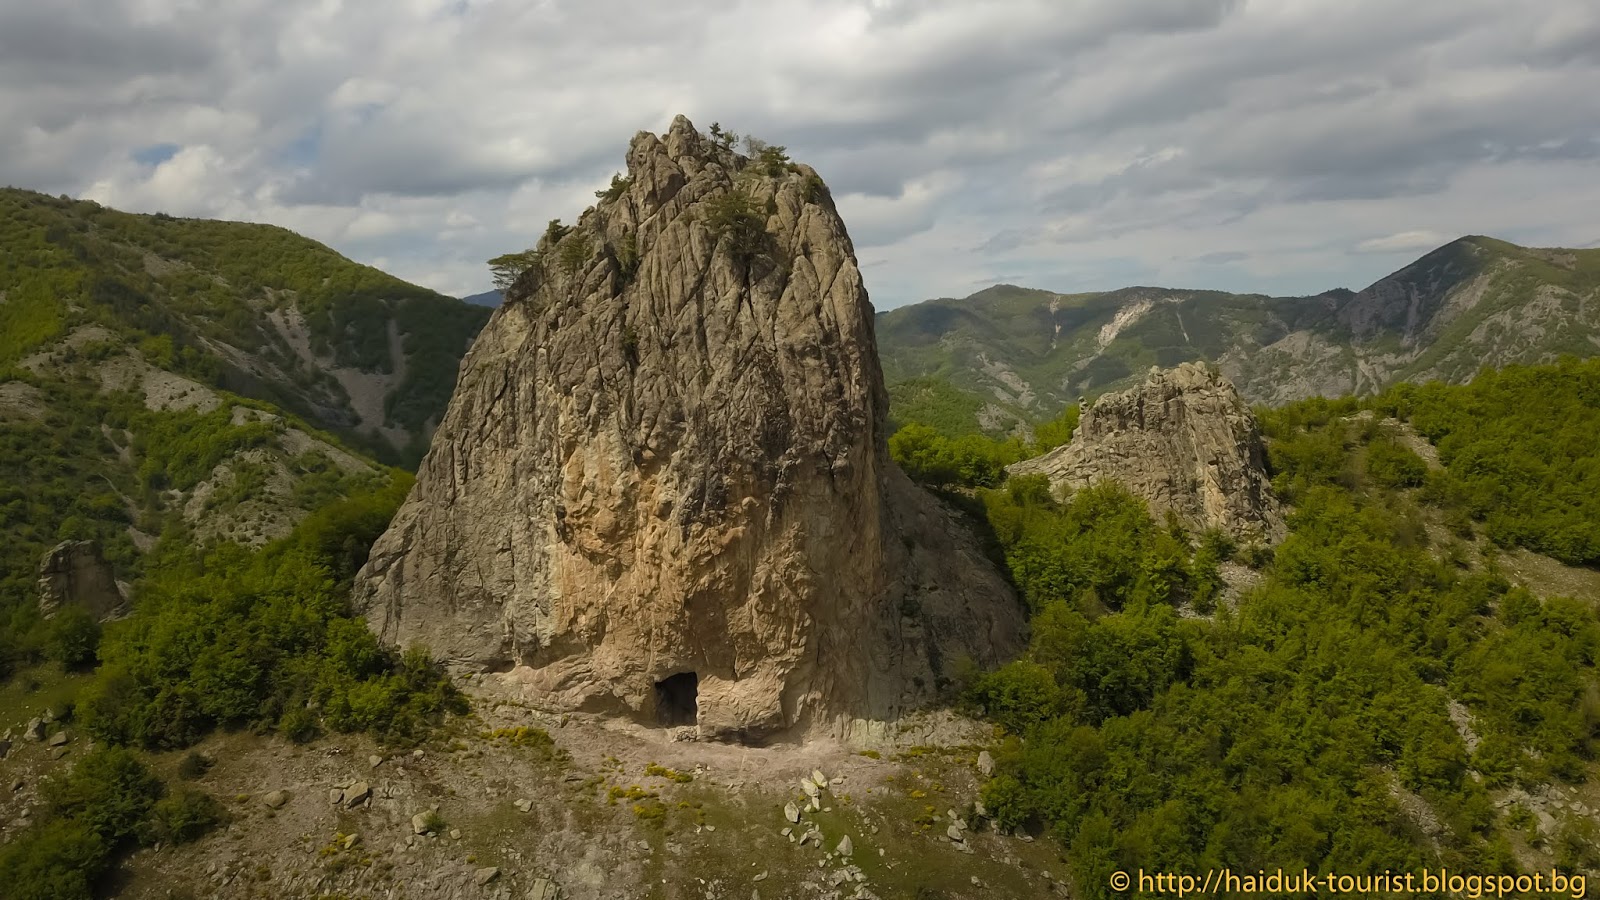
column 73, row 637
column 738, row 221
column 56, row 860
column 935, row 460
column 227, row 637
column 1394, row 465
column 180, row 817
column 1519, row 453
column 96, row 808
column 110, row 790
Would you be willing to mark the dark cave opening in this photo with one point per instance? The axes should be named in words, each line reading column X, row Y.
column 678, row 700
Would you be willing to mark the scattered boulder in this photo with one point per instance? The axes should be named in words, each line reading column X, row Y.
column 34, row 730
column 524, row 804
column 421, row 823
column 792, row 813
column 335, row 796
column 77, row 573
column 956, row 834
column 374, row 761
column 485, row 875
column 985, row 763
column 276, row 799
column 59, row 739
column 845, row 847
column 357, row 794
column 350, row 840
column 819, row 779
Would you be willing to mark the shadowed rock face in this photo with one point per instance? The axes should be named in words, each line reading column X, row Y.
column 1183, row 440
column 75, row 573
column 666, row 455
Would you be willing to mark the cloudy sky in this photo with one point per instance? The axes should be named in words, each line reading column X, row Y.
column 1285, row 146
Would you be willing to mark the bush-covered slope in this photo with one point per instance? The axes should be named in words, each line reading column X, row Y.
column 255, row 309
column 1372, row 694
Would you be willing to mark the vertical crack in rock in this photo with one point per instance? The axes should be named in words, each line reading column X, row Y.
column 692, row 473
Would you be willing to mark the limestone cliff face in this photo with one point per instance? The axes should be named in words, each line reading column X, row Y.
column 1183, row 440
column 666, row 455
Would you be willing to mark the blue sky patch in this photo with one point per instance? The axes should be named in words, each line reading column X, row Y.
column 155, row 154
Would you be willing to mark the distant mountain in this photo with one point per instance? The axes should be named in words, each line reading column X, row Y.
column 251, row 309
column 1010, row 355
column 487, row 298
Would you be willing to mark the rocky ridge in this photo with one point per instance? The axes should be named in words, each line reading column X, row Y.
column 1185, row 441
column 1016, row 355
column 662, row 490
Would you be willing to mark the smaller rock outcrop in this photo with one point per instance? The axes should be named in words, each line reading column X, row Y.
column 1186, row 442
column 77, row 573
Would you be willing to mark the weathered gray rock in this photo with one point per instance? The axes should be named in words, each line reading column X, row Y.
column 75, row 572
column 421, row 823
column 1185, row 441
column 34, row 730
column 485, row 875
column 276, row 799
column 357, row 794
column 985, row 763
column 666, row 458
column 846, row 847
column 792, row 813
column 59, row 739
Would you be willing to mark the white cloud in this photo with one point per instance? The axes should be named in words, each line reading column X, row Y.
column 1285, row 146
column 1402, row 242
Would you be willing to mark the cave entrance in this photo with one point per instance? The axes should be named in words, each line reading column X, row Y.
column 678, row 700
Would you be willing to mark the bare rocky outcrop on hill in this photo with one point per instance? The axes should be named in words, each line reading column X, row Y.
column 1183, row 440
column 662, row 488
column 75, row 573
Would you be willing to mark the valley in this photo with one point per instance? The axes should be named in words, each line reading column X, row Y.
column 684, row 574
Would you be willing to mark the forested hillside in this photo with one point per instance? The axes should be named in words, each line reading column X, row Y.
column 1007, row 355
column 253, row 309
column 192, row 380
column 1374, row 693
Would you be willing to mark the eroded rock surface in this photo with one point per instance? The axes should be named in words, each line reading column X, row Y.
column 1185, row 441
column 76, row 573
column 662, row 487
